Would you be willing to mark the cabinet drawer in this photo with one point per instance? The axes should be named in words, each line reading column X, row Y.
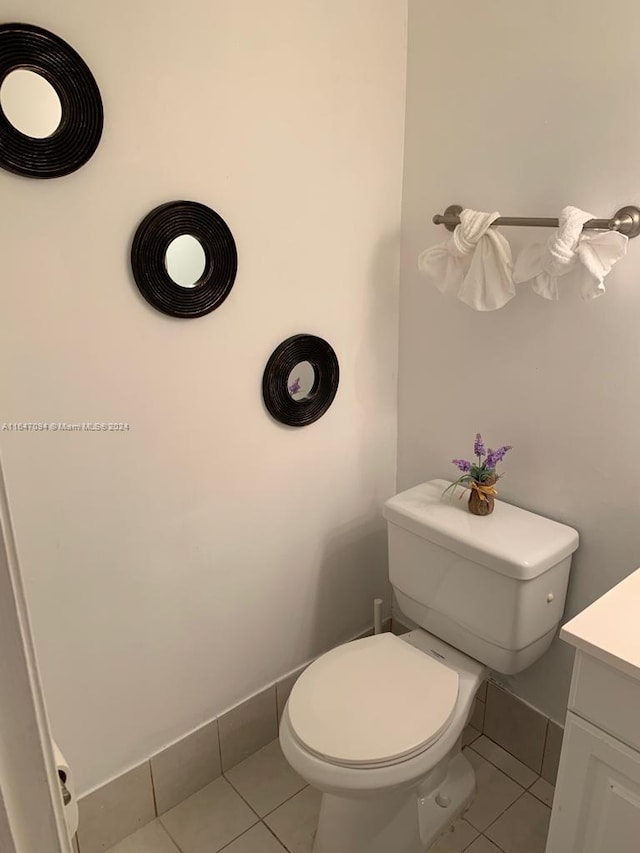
column 607, row 697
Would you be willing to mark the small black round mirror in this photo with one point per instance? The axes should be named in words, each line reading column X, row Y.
column 300, row 380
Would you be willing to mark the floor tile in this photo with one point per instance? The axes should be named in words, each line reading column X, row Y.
column 456, row 839
column 186, row 766
column 296, row 821
column 495, row 792
column 265, row 779
column 523, row 828
column 257, row 840
column 543, row 790
column 247, row 727
column 504, row 761
column 209, row 819
column 152, row 838
column 515, row 726
column 469, row 734
column 483, row 845
column 115, row 810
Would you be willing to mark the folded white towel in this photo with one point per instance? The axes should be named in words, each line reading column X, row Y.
column 475, row 264
column 597, row 251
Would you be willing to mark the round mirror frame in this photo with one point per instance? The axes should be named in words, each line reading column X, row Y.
column 152, row 239
column 24, row 46
column 275, row 390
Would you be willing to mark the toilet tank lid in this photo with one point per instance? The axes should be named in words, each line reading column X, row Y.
column 511, row 540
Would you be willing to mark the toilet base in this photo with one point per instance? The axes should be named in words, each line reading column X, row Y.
column 400, row 821
column 455, row 795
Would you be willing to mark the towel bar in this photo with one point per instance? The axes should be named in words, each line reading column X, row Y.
column 626, row 220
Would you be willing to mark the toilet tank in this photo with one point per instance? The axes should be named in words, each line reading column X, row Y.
column 492, row 586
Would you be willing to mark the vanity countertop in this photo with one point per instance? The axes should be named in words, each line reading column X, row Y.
column 609, row 629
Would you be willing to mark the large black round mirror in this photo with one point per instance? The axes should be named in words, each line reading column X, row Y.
column 51, row 113
column 184, row 259
column 300, row 380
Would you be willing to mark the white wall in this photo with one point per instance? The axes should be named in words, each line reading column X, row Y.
column 175, row 569
column 524, row 108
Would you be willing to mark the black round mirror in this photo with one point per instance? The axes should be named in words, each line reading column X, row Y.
column 300, row 380
column 184, row 259
column 51, row 113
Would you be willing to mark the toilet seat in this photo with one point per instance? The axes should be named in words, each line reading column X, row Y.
column 372, row 703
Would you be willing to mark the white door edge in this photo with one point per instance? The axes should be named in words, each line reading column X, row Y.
column 31, row 811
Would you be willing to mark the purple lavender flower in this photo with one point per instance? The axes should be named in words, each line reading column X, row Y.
column 495, row 456
column 463, row 465
column 478, row 447
column 294, row 388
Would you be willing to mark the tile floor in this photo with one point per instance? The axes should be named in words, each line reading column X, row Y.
column 262, row 806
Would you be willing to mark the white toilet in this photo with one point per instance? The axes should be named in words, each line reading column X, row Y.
column 376, row 724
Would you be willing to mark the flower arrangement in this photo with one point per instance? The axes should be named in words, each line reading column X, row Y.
column 480, row 476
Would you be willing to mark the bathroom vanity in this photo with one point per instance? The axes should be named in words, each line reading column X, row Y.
column 597, row 801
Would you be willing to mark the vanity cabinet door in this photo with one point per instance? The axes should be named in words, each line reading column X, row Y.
column 596, row 808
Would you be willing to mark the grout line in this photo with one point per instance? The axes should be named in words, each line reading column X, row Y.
column 269, row 830
column 519, row 797
column 279, row 840
column 503, row 812
column 497, row 846
column 219, row 745
column 242, row 797
column 501, row 769
column 540, row 798
column 275, row 808
column 169, row 836
column 304, row 788
column 523, row 791
column 544, row 745
column 473, row 841
column 153, row 790
column 244, row 832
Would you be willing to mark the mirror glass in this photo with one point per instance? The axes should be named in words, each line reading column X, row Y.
column 30, row 103
column 301, row 381
column 185, row 260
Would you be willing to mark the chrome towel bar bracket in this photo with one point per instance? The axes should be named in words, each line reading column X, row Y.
column 626, row 220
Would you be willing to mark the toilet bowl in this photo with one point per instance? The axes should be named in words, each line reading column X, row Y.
column 376, row 726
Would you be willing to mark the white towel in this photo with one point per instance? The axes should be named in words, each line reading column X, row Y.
column 567, row 247
column 474, row 264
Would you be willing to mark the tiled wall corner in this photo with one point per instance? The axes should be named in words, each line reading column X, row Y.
column 186, row 766
column 115, row 810
column 515, row 726
column 552, row 749
column 247, row 727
